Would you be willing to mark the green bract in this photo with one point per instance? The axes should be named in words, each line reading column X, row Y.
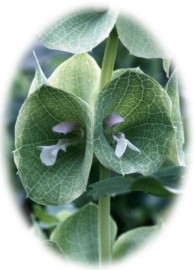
column 71, row 76
column 77, row 236
column 137, row 40
column 130, row 95
column 146, row 108
column 79, row 32
column 173, row 92
column 67, row 178
column 124, row 117
column 131, row 240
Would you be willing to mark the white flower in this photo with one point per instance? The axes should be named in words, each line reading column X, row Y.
column 49, row 153
column 122, row 144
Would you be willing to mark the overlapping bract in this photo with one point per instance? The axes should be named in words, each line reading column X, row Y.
column 72, row 92
column 81, row 31
column 142, row 104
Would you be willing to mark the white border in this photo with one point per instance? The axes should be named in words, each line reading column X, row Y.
column 172, row 22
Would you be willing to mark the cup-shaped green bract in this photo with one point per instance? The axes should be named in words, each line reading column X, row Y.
column 67, row 178
column 146, row 108
column 79, row 75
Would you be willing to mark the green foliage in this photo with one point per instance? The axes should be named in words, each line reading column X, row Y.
column 71, row 77
column 137, row 39
column 39, row 78
column 146, row 107
column 131, row 240
column 120, row 185
column 67, row 178
column 142, row 147
column 77, row 236
column 79, row 32
column 173, row 92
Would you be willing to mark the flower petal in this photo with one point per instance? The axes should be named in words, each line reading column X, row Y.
column 120, row 147
column 132, row 147
column 48, row 154
column 66, row 127
column 122, row 144
column 113, row 119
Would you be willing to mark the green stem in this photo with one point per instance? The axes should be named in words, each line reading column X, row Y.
column 109, row 58
column 104, row 202
column 104, row 223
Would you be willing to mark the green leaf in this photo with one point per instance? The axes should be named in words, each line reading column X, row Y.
column 80, row 31
column 110, row 187
column 173, row 92
column 120, row 185
column 79, row 75
column 66, row 180
column 166, row 66
column 131, row 240
column 39, row 78
column 152, row 186
column 146, row 108
column 77, row 236
column 171, row 176
column 137, row 39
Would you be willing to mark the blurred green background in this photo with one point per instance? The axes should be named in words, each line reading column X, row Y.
column 129, row 211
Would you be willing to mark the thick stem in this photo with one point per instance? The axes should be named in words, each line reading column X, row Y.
column 104, row 202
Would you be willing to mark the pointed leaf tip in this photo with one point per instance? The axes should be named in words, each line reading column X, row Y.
column 39, row 78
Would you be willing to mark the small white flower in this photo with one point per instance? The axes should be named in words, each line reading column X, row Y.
column 49, row 153
column 122, row 144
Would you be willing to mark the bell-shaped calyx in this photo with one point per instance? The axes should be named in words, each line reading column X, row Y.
column 54, row 146
column 141, row 140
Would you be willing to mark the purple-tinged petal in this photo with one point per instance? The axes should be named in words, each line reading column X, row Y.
column 66, row 127
column 113, row 119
